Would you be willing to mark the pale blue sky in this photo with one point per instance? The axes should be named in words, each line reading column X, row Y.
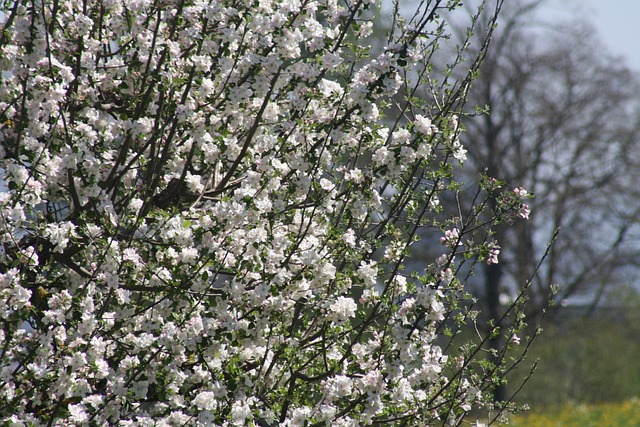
column 617, row 22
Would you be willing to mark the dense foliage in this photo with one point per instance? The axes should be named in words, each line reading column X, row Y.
column 208, row 207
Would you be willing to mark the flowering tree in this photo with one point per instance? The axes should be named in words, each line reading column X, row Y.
column 207, row 210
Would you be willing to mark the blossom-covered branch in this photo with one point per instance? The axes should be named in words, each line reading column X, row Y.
column 208, row 209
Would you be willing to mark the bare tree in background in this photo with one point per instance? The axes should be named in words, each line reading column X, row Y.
column 557, row 115
column 562, row 121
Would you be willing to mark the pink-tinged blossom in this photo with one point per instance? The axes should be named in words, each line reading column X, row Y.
column 350, row 238
column 372, row 381
column 493, row 255
column 521, row 192
column 443, row 259
column 454, row 122
column 451, row 238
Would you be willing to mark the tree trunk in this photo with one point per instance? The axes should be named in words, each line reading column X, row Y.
column 493, row 273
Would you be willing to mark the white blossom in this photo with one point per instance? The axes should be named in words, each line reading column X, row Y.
column 343, row 308
column 423, row 125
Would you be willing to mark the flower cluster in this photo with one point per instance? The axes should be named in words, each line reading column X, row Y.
column 207, row 212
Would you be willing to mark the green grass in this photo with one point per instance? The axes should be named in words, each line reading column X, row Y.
column 622, row 414
column 583, row 361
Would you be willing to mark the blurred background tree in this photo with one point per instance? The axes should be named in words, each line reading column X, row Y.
column 561, row 117
column 562, row 122
column 558, row 114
